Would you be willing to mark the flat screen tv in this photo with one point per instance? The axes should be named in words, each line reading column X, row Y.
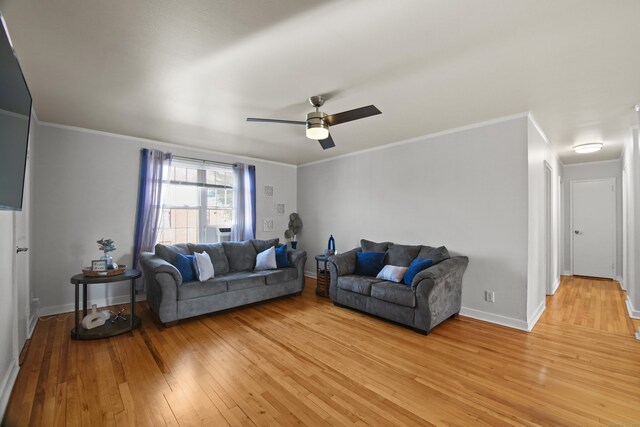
column 15, row 116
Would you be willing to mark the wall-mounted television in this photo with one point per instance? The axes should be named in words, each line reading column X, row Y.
column 15, row 116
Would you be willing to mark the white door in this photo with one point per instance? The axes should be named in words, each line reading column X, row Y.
column 593, row 227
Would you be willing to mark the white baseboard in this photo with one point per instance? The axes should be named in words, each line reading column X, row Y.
column 311, row 274
column 555, row 286
column 621, row 282
column 33, row 321
column 536, row 315
column 495, row 318
column 567, row 273
column 100, row 302
column 7, row 386
column 633, row 313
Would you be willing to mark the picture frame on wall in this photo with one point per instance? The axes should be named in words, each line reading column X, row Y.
column 99, row 265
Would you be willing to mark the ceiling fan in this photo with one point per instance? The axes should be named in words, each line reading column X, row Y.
column 318, row 123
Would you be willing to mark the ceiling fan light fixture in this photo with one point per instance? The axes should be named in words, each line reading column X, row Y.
column 317, row 128
column 591, row 147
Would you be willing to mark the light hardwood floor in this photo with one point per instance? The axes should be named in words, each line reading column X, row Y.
column 302, row 361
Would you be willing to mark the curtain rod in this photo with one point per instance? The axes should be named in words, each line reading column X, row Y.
column 203, row 161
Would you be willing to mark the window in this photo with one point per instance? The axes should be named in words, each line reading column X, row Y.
column 198, row 196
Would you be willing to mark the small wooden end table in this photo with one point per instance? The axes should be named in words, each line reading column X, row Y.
column 109, row 329
column 323, row 278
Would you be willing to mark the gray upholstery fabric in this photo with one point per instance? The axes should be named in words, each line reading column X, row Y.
column 341, row 265
column 172, row 300
column 351, row 299
column 439, row 292
column 213, row 303
column 216, row 253
column 394, row 292
column 357, row 284
column 281, row 275
column 241, row 255
column 369, row 246
column 197, row 289
column 169, row 252
column 243, row 280
column 434, row 295
column 295, row 256
column 391, row 311
column 401, row 255
column 154, row 264
column 262, row 245
column 437, row 255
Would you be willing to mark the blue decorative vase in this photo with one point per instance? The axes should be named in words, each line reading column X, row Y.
column 331, row 246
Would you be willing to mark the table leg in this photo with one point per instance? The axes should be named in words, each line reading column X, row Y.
column 133, row 301
column 77, row 329
column 84, row 300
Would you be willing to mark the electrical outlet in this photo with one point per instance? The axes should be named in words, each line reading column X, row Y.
column 489, row 296
column 35, row 302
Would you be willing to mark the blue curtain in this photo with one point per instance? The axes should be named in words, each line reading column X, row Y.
column 153, row 164
column 244, row 202
column 252, row 190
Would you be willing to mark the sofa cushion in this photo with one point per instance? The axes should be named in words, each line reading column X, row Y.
column 282, row 256
column 392, row 273
column 216, row 253
column 266, row 260
column 261, row 245
column 437, row 255
column 169, row 252
column 401, row 255
column 237, row 281
column 416, row 266
column 369, row 263
column 241, row 255
column 394, row 293
column 357, row 284
column 369, row 246
column 184, row 264
column 282, row 275
column 197, row 289
column 203, row 266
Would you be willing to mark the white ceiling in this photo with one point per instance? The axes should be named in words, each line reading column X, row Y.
column 191, row 72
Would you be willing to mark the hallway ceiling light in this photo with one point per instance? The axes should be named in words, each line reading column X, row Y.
column 587, row 148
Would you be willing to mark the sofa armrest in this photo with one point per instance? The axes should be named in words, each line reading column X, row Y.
column 344, row 263
column 438, row 292
column 341, row 265
column 153, row 264
column 296, row 256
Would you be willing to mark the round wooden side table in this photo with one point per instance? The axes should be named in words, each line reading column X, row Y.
column 111, row 327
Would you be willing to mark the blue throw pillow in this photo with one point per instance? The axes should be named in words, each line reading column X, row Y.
column 184, row 264
column 369, row 263
column 282, row 259
column 416, row 266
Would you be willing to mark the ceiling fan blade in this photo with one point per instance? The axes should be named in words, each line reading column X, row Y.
column 290, row 122
column 347, row 116
column 327, row 142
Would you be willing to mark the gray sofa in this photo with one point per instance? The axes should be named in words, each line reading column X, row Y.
column 434, row 294
column 235, row 283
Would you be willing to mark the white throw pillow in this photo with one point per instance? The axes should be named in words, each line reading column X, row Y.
column 266, row 260
column 392, row 273
column 203, row 266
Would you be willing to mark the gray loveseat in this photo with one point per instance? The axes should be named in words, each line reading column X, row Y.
column 434, row 294
column 235, row 283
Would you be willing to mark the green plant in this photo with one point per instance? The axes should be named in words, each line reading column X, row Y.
column 106, row 245
column 295, row 224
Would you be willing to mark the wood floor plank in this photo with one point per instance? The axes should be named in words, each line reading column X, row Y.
column 303, row 361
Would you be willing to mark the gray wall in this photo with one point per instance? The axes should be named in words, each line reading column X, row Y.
column 592, row 170
column 466, row 189
column 85, row 186
column 539, row 154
